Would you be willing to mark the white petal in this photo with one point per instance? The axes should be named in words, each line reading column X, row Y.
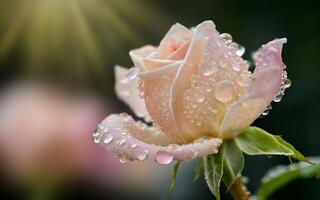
column 137, row 55
column 177, row 36
column 127, row 90
column 133, row 140
column 156, row 86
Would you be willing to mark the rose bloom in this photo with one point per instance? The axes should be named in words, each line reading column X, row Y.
column 196, row 89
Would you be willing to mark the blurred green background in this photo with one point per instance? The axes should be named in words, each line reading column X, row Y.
column 73, row 45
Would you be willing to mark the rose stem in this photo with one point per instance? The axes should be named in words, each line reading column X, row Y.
column 238, row 191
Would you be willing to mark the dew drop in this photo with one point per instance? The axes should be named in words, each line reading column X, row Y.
column 278, row 97
column 223, row 63
column 240, row 50
column 134, row 145
column 236, row 67
column 132, row 73
column 200, row 98
column 122, row 158
column 163, row 157
column 121, row 142
column 243, row 79
column 267, row 110
column 286, row 83
column 143, row 155
column 108, row 139
column 209, row 70
column 226, row 37
column 224, row 91
column 96, row 137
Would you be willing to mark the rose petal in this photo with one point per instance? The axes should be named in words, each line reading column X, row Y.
column 177, row 36
column 152, row 64
column 137, row 55
column 156, row 86
column 127, row 90
column 207, row 83
column 180, row 53
column 133, row 140
column 265, row 84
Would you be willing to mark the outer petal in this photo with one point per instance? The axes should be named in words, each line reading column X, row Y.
column 156, row 86
column 177, row 38
column 133, row 140
column 265, row 84
column 137, row 55
column 127, row 90
column 206, row 84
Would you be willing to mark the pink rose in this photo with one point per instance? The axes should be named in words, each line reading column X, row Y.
column 196, row 89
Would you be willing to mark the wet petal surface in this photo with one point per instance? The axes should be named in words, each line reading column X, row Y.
column 265, row 84
column 127, row 90
column 212, row 77
column 133, row 140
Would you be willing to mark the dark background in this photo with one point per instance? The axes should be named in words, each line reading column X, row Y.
column 71, row 62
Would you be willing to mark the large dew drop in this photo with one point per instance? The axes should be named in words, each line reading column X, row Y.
column 224, row 91
column 163, row 157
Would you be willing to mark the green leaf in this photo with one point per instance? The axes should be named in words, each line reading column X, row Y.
column 213, row 170
column 282, row 175
column 197, row 171
column 255, row 141
column 233, row 163
column 173, row 177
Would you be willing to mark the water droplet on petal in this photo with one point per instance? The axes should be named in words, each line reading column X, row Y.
column 96, row 137
column 223, row 63
column 134, row 145
column 132, row 73
column 224, row 91
column 278, row 97
column 108, row 139
column 286, row 83
column 200, row 98
column 121, row 142
column 143, row 155
column 239, row 48
column 226, row 37
column 243, row 79
column 122, row 158
column 209, row 69
column 163, row 157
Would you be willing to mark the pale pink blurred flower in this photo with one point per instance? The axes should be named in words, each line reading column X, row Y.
column 45, row 134
column 196, row 89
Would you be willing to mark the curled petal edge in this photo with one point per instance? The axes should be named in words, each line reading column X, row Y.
column 133, row 140
column 265, row 84
column 128, row 91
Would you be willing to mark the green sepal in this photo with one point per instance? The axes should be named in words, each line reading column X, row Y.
column 233, row 162
column 213, row 170
column 255, row 141
column 173, row 177
column 197, row 171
